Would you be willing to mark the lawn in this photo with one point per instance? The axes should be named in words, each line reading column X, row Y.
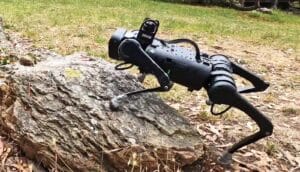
column 86, row 25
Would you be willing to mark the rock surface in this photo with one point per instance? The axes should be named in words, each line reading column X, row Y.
column 58, row 112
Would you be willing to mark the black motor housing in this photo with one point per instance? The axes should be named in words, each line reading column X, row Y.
column 114, row 42
column 178, row 62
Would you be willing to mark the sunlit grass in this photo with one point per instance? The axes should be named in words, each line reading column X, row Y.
column 74, row 25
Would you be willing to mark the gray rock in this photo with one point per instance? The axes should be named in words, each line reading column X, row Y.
column 58, row 112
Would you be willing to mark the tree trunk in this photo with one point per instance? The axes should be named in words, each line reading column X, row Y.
column 58, row 112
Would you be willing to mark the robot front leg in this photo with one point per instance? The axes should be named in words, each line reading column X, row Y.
column 131, row 50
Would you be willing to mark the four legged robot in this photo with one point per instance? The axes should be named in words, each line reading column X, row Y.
column 169, row 63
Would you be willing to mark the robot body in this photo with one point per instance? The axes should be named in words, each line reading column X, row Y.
column 169, row 63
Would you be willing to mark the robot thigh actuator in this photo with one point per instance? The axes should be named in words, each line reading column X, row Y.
column 169, row 63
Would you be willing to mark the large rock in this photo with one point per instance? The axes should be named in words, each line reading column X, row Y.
column 58, row 112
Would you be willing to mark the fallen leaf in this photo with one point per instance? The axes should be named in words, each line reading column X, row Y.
column 1, row 146
column 289, row 157
column 214, row 130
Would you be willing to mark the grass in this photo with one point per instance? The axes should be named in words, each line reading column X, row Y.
column 86, row 25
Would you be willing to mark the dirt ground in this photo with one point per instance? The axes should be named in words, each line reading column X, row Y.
column 281, row 103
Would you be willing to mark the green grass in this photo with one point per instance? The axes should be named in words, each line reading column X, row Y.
column 86, row 25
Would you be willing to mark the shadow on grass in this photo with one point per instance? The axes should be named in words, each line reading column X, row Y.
column 202, row 3
column 293, row 6
column 185, row 2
